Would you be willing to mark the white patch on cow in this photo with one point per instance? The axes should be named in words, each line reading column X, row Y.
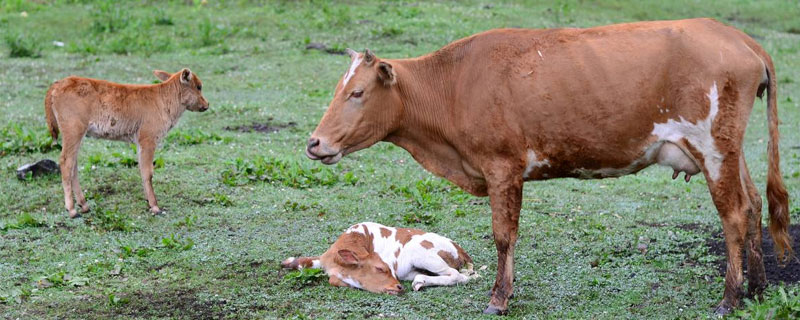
column 533, row 163
column 316, row 264
column 540, row 54
column 698, row 134
column 351, row 71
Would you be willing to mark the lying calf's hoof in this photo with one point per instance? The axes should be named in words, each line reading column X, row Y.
column 495, row 311
column 417, row 285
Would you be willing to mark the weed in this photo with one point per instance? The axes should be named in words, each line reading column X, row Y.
column 288, row 173
column 220, row 199
column 193, row 137
column 115, row 301
column 22, row 46
column 17, row 139
column 187, row 221
column 304, row 277
column 25, row 220
column 778, row 304
column 173, row 243
column 420, row 217
column 15, row 295
column 128, row 251
column 111, row 220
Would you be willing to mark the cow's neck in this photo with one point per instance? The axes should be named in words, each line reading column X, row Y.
column 427, row 131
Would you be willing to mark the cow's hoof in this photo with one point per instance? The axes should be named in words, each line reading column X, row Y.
column 156, row 211
column 722, row 310
column 74, row 214
column 417, row 285
column 495, row 311
column 85, row 208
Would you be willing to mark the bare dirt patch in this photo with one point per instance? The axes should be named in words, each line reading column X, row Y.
column 775, row 274
column 268, row 127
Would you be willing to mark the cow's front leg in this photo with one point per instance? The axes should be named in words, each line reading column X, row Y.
column 505, row 195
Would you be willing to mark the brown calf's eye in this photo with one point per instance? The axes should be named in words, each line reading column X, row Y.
column 199, row 88
column 357, row 93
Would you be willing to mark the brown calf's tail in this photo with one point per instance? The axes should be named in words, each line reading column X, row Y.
column 52, row 124
column 777, row 196
column 301, row 263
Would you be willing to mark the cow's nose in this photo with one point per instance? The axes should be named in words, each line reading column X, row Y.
column 313, row 142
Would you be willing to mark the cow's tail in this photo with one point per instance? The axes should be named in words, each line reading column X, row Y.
column 777, row 196
column 301, row 263
column 52, row 124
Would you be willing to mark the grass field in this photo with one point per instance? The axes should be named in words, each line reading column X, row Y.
column 238, row 201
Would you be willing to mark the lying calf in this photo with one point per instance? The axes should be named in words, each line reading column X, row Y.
column 141, row 114
column 373, row 257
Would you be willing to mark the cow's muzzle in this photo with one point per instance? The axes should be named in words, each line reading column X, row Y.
column 315, row 150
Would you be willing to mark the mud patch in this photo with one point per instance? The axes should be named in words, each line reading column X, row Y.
column 775, row 274
column 267, row 127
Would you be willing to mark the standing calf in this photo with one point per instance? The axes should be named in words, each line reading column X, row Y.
column 140, row 114
column 372, row 257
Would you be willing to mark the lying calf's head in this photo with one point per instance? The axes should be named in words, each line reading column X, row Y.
column 360, row 268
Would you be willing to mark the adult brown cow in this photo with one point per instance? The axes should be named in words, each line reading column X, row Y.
column 493, row 110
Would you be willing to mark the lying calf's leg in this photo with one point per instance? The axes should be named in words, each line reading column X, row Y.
column 301, row 262
column 447, row 278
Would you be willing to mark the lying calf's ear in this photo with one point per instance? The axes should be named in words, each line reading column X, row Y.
column 186, row 76
column 161, row 75
column 347, row 257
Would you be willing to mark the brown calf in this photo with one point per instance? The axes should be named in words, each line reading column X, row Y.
column 498, row 108
column 140, row 114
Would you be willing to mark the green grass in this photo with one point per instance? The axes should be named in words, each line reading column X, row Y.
column 238, row 203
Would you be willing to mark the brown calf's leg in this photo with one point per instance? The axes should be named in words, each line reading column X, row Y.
column 71, row 142
column 756, row 277
column 505, row 196
column 76, row 188
column 146, row 152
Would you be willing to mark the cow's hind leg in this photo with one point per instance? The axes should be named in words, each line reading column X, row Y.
column 756, row 277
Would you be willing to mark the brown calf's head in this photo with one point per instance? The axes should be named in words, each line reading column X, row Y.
column 363, row 270
column 366, row 107
column 190, row 92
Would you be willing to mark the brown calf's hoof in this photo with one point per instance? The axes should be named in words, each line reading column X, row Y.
column 495, row 311
column 74, row 214
column 156, row 211
column 85, row 208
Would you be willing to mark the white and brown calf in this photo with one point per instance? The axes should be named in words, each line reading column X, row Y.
column 373, row 257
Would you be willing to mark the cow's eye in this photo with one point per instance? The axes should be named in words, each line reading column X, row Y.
column 357, row 94
column 379, row 269
column 199, row 88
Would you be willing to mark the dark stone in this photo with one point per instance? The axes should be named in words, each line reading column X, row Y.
column 39, row 168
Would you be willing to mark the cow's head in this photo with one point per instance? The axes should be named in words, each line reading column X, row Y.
column 366, row 107
column 189, row 89
column 359, row 269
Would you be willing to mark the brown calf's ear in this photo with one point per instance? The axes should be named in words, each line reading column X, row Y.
column 347, row 257
column 186, row 76
column 352, row 53
column 369, row 57
column 161, row 75
column 386, row 73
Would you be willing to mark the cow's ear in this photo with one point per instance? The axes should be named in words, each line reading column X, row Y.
column 369, row 57
column 348, row 257
column 162, row 75
column 386, row 73
column 186, row 76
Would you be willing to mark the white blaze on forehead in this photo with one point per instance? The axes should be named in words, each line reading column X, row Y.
column 698, row 134
column 533, row 162
column 351, row 71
